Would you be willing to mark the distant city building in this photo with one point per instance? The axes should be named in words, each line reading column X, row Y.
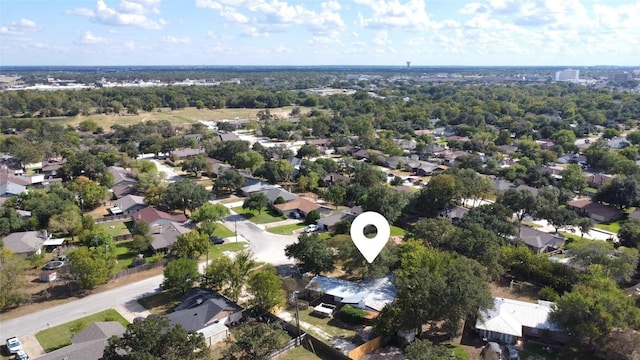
column 568, row 75
column 621, row 77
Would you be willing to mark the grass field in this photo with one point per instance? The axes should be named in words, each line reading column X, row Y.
column 176, row 117
column 218, row 250
column 124, row 254
column 223, row 231
column 115, row 228
column 298, row 353
column 59, row 336
column 286, row 229
column 396, row 231
column 613, row 227
column 263, row 217
column 160, row 303
column 331, row 326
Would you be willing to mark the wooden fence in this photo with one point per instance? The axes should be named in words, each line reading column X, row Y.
column 122, row 237
column 113, row 218
column 290, row 345
column 366, row 348
column 137, row 269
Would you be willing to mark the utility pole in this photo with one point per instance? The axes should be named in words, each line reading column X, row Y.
column 235, row 224
column 295, row 294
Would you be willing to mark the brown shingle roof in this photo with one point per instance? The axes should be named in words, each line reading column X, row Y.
column 151, row 215
column 301, row 204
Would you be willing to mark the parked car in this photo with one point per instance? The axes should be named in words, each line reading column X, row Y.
column 21, row 355
column 13, row 345
column 512, row 353
column 216, row 240
column 295, row 215
column 311, row 228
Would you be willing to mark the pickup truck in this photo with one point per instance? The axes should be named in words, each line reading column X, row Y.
column 13, row 345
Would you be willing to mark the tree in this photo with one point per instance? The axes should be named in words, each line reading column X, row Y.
column 629, row 233
column 190, row 245
column 432, row 231
column 385, row 201
column 266, row 288
column 256, row 201
column 90, row 267
column 426, row 350
column 229, row 181
column 180, row 275
column 573, row 179
column 90, row 193
column 256, row 341
column 312, row 217
column 622, row 192
column 356, row 265
column 217, row 273
column 315, row 254
column 10, row 220
column 208, row 216
column 195, row 165
column 184, row 195
column 436, row 195
column 69, row 221
column 239, row 273
column 585, row 224
column 308, row 151
column 521, row 202
column 560, row 217
column 619, row 263
column 492, row 217
column 279, row 171
column 634, row 137
column 155, row 338
column 595, row 307
column 470, row 185
column 335, row 194
column 249, row 160
column 13, row 269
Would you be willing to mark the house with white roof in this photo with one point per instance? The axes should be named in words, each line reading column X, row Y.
column 510, row 321
column 372, row 295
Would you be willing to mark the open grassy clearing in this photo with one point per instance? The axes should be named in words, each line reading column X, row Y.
column 124, row 254
column 613, row 226
column 330, row 326
column 223, row 231
column 286, row 229
column 263, row 217
column 218, row 250
column 160, row 303
column 59, row 336
column 396, row 231
column 298, row 353
column 115, row 228
column 176, row 117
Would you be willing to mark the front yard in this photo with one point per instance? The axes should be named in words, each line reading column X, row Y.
column 60, row 336
column 263, row 217
column 286, row 229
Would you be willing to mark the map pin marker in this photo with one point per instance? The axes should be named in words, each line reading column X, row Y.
column 370, row 248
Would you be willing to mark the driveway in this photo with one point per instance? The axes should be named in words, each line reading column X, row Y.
column 170, row 174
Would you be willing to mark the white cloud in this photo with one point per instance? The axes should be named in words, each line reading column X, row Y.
column 208, row 4
column 128, row 13
column 283, row 49
column 392, row 14
column 231, row 14
column 88, row 38
column 130, row 45
column 355, row 34
column 381, row 38
column 252, row 31
column 331, row 6
column 19, row 27
column 175, row 40
column 416, row 41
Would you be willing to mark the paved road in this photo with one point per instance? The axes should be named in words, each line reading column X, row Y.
column 170, row 175
column 122, row 296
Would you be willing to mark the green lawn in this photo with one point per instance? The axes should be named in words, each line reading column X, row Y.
column 115, row 228
column 613, row 227
column 396, row 231
column 59, row 336
column 223, row 231
column 217, row 250
column 124, row 254
column 286, row 229
column 331, row 326
column 298, row 353
column 263, row 217
column 160, row 303
column 535, row 351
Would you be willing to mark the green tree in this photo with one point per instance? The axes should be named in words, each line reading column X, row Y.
column 629, row 233
column 217, row 273
column 595, row 307
column 426, row 350
column 195, row 165
column 241, row 267
column 89, row 267
column 315, row 254
column 90, row 193
column 622, row 192
column 619, row 263
column 249, row 160
column 432, row 231
column 256, row 341
column 276, row 172
column 184, row 195
column 180, row 275
column 229, row 181
column 266, row 288
column 634, row 137
column 385, row 201
column 208, row 215
column 335, row 194
column 356, row 265
column 436, row 195
column 69, row 221
column 13, row 269
column 156, row 338
column 256, row 201
column 573, row 179
column 307, row 151
column 190, row 245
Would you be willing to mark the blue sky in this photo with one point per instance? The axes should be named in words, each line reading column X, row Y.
column 319, row 32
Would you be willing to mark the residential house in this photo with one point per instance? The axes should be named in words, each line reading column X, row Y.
column 207, row 312
column 453, row 213
column 572, row 159
column 500, row 186
column 512, row 320
column 540, row 241
column 546, row 144
column 228, row 137
column 128, row 205
column 597, row 180
column 370, row 295
column 196, row 137
column 164, row 236
column 123, row 182
column 597, row 211
column 406, row 145
column 530, row 189
column 26, row 243
column 254, row 185
column 457, row 138
column 295, row 162
column 188, row 152
column 155, row 217
column 405, row 189
column 300, row 205
column 450, row 156
column 394, row 162
column 51, row 167
column 555, row 171
column 9, row 187
column 89, row 343
column 323, row 145
column 618, row 143
column 426, row 168
column 217, row 166
column 507, row 149
column 329, row 222
column 274, row 193
column 332, row 178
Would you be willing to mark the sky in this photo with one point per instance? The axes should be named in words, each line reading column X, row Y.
column 320, row 32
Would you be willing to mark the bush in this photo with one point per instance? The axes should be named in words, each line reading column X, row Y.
column 312, row 216
column 547, row 293
column 279, row 200
column 352, row 315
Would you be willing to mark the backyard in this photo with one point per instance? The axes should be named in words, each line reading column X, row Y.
column 115, row 228
column 60, row 336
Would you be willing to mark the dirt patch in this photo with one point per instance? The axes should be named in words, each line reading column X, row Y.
column 517, row 291
column 48, row 295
